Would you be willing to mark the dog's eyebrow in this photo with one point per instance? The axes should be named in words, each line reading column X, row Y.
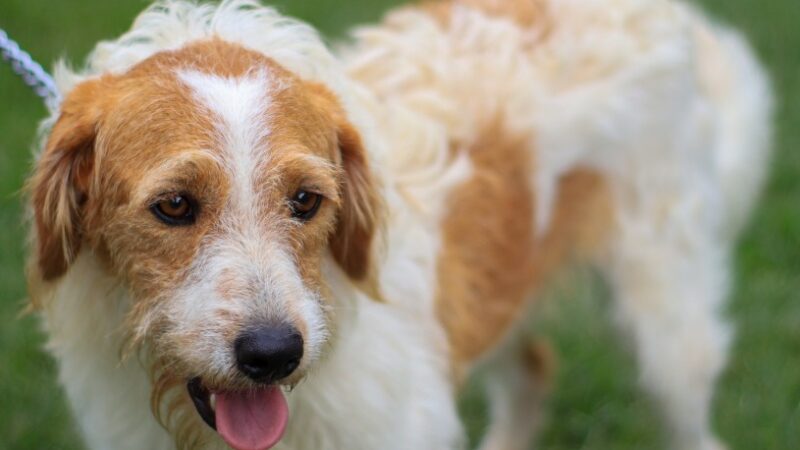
column 184, row 166
column 313, row 170
column 187, row 158
column 308, row 161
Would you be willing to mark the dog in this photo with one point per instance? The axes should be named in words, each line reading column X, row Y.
column 241, row 238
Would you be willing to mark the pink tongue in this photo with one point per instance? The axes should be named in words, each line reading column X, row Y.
column 253, row 420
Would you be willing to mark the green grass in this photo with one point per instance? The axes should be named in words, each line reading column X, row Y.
column 597, row 404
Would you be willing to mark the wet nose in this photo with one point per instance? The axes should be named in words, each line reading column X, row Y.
column 268, row 353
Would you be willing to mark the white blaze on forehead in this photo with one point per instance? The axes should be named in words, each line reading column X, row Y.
column 239, row 105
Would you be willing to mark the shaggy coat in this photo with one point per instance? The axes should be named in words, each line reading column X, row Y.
column 463, row 152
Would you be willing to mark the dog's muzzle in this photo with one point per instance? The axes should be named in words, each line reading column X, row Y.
column 253, row 419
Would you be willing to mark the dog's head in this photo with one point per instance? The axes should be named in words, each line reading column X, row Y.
column 213, row 184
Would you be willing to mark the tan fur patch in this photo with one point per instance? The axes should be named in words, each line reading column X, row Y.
column 525, row 13
column 540, row 361
column 491, row 258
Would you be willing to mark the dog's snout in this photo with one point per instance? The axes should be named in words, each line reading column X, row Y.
column 269, row 353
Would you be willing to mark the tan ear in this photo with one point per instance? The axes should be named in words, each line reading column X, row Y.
column 361, row 207
column 359, row 215
column 59, row 186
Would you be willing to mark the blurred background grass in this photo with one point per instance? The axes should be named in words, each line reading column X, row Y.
column 597, row 404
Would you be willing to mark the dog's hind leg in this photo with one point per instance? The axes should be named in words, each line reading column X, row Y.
column 517, row 382
column 670, row 282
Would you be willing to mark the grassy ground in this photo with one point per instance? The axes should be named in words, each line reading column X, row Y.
column 596, row 405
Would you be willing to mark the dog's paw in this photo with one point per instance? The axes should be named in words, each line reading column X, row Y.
column 707, row 443
column 713, row 443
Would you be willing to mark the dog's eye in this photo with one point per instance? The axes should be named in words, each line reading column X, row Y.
column 305, row 204
column 175, row 210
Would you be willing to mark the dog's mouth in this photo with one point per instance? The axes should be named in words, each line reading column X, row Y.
column 246, row 420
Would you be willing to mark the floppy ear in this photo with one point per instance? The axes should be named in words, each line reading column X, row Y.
column 60, row 182
column 358, row 221
column 361, row 207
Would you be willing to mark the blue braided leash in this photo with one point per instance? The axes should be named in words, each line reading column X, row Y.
column 31, row 72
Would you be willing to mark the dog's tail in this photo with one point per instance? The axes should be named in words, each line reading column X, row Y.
column 742, row 93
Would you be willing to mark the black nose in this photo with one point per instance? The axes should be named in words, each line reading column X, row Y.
column 269, row 353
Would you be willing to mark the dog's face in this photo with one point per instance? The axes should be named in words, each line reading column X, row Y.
column 213, row 183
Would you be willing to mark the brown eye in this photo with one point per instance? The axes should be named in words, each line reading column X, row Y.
column 175, row 210
column 305, row 204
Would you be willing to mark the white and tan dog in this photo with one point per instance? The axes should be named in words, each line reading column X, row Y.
column 243, row 239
